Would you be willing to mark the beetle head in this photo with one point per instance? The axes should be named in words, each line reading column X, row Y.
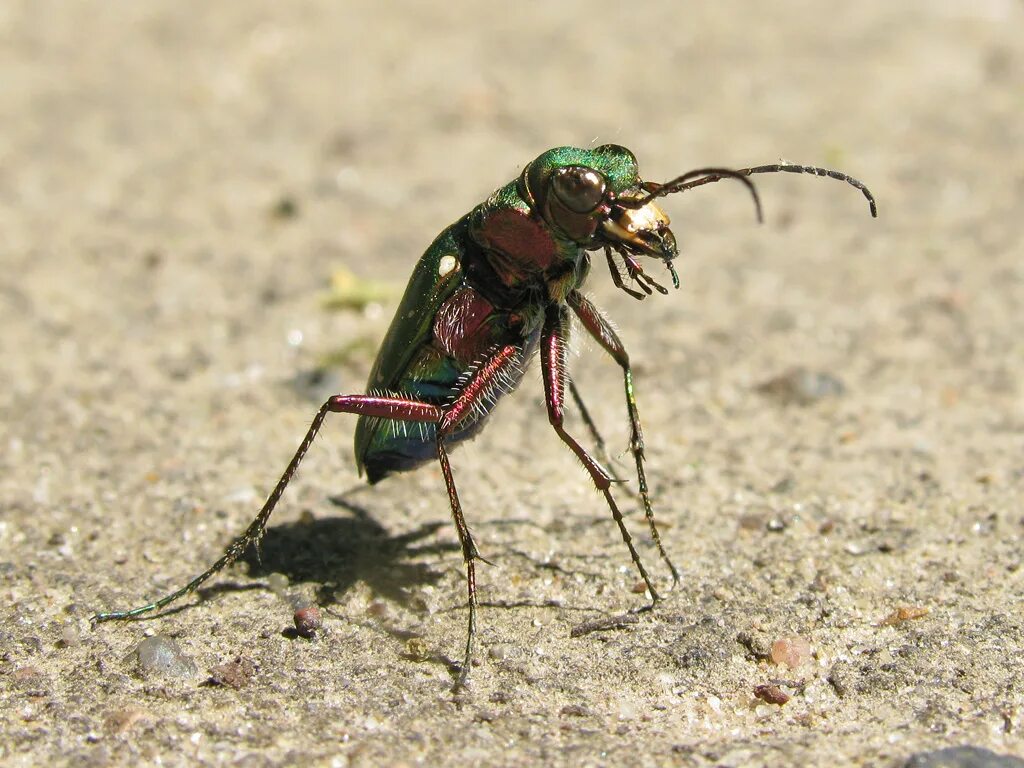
column 594, row 197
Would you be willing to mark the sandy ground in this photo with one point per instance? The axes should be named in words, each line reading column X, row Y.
column 179, row 181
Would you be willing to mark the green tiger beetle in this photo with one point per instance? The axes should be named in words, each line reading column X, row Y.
column 497, row 285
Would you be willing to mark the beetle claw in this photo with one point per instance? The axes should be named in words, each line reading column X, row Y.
column 644, row 280
column 675, row 275
column 658, row 286
column 613, row 267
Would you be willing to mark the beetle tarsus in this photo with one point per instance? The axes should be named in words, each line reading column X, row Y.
column 467, row 658
column 645, row 281
column 613, row 267
column 617, row 516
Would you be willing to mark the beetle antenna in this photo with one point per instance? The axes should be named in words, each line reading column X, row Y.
column 695, row 178
column 712, row 175
column 815, row 171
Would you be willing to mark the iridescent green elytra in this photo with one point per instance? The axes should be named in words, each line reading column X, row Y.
column 495, row 287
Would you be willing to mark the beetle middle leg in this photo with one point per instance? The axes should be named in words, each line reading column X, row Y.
column 553, row 369
column 605, row 335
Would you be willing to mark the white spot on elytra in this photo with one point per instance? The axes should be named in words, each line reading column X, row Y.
column 447, row 264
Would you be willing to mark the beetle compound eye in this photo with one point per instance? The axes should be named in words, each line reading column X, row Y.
column 578, row 188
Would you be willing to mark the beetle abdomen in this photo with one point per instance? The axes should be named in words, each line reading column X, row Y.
column 434, row 377
column 404, row 450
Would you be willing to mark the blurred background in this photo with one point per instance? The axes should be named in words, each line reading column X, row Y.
column 209, row 211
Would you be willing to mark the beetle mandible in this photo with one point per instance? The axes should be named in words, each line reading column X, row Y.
column 497, row 285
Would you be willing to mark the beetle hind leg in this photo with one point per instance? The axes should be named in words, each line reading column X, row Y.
column 469, row 554
column 474, row 388
column 404, row 409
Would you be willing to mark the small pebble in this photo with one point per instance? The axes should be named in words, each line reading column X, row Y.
column 499, row 651
column 574, row 710
column 962, row 757
column 627, row 710
column 417, row 649
column 24, row 675
column 802, row 387
column 286, row 207
column 752, row 521
column 69, row 637
column 771, row 694
column 902, row 614
column 791, row 651
column 161, row 656
column 278, row 583
column 235, row 674
column 121, row 721
column 308, row 621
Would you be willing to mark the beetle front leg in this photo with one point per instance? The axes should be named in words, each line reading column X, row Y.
column 605, row 335
column 617, row 277
column 401, row 409
column 553, row 369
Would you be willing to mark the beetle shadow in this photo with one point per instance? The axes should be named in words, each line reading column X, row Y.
column 335, row 553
